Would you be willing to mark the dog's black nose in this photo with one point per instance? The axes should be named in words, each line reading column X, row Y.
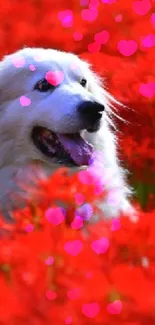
column 91, row 114
column 93, row 109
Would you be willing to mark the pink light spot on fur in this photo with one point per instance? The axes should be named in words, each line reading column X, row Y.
column 68, row 320
column 141, row 7
column 49, row 261
column 18, row 62
column 89, row 14
column 92, row 177
column 55, row 216
column 91, row 310
column 25, row 101
column 94, row 47
column 51, row 295
column 101, row 245
column 127, row 48
column 77, row 223
column 73, row 247
column 29, row 228
column 55, row 78
column 115, row 307
column 73, row 66
column 77, row 36
column 32, row 67
column 102, row 37
column 118, row 18
column 39, row 58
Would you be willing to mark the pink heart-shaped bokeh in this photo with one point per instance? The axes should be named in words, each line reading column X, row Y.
column 91, row 310
column 73, row 294
column 77, row 223
column 115, row 307
column 51, row 295
column 141, row 7
column 118, row 18
column 89, row 14
column 79, row 198
column 77, row 36
column 32, row 67
column 54, row 78
column 115, row 225
column 18, row 62
column 102, row 37
column 127, row 48
column 147, row 90
column 148, row 41
column 55, row 216
column 29, row 227
column 25, row 101
column 66, row 18
column 73, row 247
column 100, row 246
column 153, row 18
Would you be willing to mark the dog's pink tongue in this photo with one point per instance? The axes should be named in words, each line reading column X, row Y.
column 79, row 150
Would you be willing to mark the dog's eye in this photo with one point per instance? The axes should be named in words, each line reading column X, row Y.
column 83, row 82
column 43, row 86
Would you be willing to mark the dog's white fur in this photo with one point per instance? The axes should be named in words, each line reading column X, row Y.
column 56, row 111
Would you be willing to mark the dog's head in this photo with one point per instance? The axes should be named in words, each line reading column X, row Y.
column 50, row 102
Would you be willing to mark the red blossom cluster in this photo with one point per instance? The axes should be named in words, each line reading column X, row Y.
column 55, row 269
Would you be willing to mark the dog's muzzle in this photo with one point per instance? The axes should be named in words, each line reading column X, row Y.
column 90, row 115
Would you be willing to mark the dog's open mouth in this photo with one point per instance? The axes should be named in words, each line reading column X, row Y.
column 67, row 149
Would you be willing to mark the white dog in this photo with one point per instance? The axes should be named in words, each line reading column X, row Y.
column 54, row 112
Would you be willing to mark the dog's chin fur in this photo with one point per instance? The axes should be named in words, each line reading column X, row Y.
column 17, row 151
